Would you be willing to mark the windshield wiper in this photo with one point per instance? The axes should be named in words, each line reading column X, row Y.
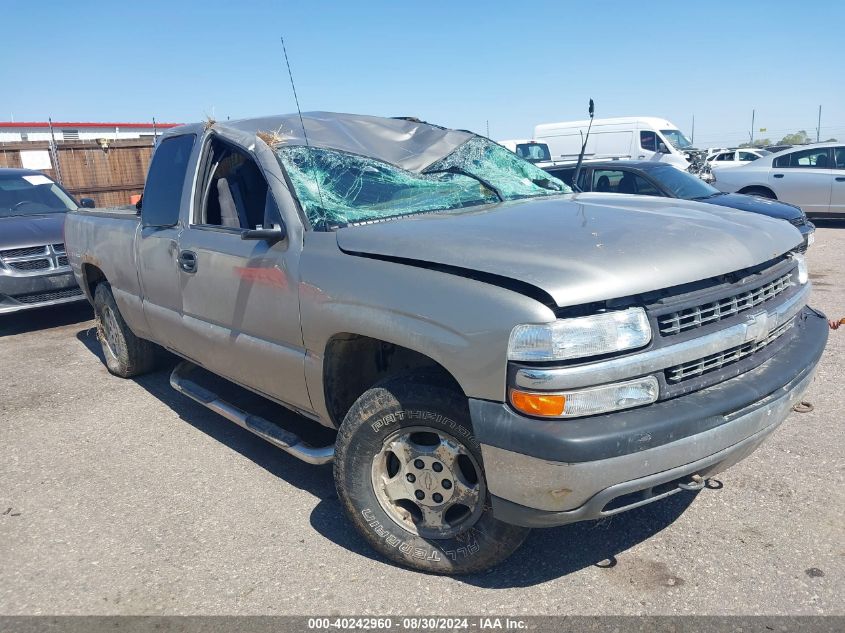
column 459, row 170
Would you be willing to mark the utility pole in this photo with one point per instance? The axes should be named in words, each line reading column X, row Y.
column 488, row 128
column 753, row 112
column 819, row 126
column 692, row 140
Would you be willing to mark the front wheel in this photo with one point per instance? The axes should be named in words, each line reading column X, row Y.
column 408, row 471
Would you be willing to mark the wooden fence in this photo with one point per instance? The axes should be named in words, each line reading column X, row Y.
column 110, row 175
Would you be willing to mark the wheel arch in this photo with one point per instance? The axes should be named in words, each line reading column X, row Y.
column 354, row 363
column 750, row 189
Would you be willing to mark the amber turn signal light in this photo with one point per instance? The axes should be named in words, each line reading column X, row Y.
column 542, row 404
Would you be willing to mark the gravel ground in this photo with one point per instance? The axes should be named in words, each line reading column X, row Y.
column 122, row 497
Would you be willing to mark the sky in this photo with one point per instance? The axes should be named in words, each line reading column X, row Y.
column 502, row 66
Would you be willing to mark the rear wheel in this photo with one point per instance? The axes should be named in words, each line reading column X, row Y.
column 760, row 192
column 408, row 470
column 126, row 355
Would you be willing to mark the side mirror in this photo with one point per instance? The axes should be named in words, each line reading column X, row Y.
column 274, row 234
column 87, row 203
column 661, row 147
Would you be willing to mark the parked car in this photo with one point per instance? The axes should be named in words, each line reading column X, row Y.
column 811, row 176
column 643, row 138
column 532, row 151
column 494, row 352
column 34, row 269
column 735, row 158
column 657, row 179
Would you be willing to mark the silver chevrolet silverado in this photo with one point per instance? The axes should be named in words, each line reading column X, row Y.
column 495, row 352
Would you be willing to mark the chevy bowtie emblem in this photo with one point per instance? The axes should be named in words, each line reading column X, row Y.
column 759, row 325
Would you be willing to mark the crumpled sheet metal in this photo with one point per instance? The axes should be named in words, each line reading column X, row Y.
column 407, row 144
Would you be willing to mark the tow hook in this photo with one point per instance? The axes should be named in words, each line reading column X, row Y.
column 697, row 482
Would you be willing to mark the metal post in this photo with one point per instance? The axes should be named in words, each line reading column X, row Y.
column 488, row 128
column 155, row 131
column 55, row 152
column 753, row 112
column 692, row 140
column 819, row 126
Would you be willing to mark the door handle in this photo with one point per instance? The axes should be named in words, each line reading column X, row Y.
column 840, row 179
column 778, row 175
column 188, row 261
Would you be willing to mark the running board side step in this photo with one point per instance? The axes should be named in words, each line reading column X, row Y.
column 266, row 430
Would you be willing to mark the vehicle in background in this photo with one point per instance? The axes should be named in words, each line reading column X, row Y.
column 810, row 176
column 640, row 138
column 34, row 270
column 646, row 178
column 774, row 149
column 734, row 157
column 494, row 352
column 532, row 151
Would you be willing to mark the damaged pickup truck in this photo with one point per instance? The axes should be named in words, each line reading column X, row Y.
column 495, row 352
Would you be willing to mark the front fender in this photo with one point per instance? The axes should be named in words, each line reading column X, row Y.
column 461, row 323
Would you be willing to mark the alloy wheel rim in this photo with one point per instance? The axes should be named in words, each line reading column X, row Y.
column 428, row 483
column 109, row 331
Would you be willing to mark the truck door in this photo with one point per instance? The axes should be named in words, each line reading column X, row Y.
column 156, row 242
column 240, row 302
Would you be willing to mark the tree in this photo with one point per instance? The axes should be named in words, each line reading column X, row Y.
column 799, row 138
column 831, row 140
column 758, row 142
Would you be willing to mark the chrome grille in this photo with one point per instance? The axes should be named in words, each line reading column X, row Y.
column 716, row 361
column 41, row 297
column 697, row 316
column 34, row 259
column 32, row 264
column 24, row 252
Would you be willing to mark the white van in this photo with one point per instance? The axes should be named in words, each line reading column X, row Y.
column 637, row 138
column 530, row 150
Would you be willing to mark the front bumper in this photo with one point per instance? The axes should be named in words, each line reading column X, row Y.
column 22, row 292
column 808, row 232
column 553, row 472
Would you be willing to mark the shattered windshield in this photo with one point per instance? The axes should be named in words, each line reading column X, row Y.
column 510, row 175
column 337, row 188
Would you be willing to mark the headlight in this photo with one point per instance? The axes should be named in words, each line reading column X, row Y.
column 592, row 401
column 580, row 337
column 803, row 273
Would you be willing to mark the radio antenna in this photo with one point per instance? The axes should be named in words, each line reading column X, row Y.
column 302, row 123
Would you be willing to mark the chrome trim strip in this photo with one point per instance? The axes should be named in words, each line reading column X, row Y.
column 626, row 367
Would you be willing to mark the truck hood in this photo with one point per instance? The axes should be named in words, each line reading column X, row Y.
column 20, row 231
column 584, row 247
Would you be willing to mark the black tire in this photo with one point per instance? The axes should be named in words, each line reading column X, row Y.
column 405, row 407
column 760, row 192
column 126, row 355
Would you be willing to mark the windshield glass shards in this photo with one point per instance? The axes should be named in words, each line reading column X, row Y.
column 511, row 176
column 337, row 188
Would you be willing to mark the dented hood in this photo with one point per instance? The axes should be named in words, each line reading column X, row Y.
column 585, row 247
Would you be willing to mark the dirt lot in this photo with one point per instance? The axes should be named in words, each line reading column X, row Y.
column 122, row 497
